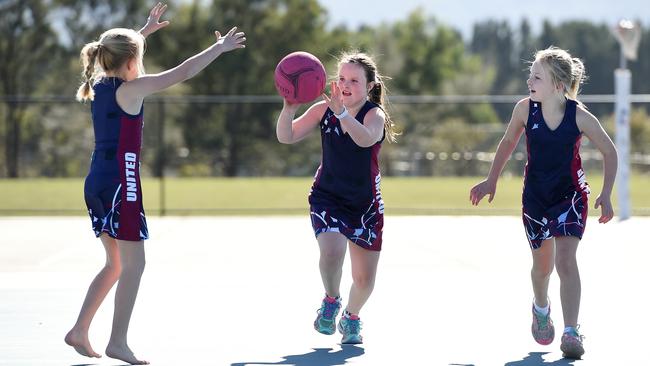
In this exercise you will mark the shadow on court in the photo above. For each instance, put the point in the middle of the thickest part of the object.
(320, 357)
(43, 283)
(536, 359)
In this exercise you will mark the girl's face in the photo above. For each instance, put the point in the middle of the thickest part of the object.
(353, 84)
(540, 83)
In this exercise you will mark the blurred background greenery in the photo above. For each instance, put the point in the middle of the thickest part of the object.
(221, 124)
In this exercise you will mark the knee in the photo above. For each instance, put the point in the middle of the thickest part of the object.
(566, 266)
(332, 255)
(363, 281)
(113, 269)
(542, 270)
(133, 265)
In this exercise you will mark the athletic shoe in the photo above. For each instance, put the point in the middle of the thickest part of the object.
(542, 328)
(326, 320)
(572, 344)
(350, 328)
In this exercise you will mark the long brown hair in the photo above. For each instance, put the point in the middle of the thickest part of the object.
(378, 92)
(113, 49)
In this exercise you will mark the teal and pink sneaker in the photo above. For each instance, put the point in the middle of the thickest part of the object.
(350, 327)
(572, 344)
(325, 322)
(542, 328)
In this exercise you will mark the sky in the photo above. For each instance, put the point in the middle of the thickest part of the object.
(462, 14)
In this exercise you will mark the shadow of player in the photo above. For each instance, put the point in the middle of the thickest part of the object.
(319, 357)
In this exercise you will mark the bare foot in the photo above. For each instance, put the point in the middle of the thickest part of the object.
(125, 354)
(79, 341)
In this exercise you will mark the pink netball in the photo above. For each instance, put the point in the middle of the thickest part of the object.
(300, 77)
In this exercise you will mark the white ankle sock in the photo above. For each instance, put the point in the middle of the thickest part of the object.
(542, 311)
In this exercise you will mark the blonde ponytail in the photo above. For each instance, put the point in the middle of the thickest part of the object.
(577, 77)
(88, 57)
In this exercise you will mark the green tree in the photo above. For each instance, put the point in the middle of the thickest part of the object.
(425, 57)
(27, 49)
(494, 41)
(238, 138)
(39, 56)
(525, 49)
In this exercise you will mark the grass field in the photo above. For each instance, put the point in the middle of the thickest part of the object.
(284, 196)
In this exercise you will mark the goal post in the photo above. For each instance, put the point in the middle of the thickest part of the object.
(628, 35)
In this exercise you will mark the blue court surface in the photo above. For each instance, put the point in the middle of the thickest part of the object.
(245, 290)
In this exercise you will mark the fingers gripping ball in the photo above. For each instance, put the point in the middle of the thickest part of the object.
(300, 77)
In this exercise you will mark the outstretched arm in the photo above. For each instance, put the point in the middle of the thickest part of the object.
(131, 94)
(153, 21)
(504, 150)
(590, 126)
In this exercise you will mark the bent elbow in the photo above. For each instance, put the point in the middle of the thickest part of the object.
(507, 145)
(609, 151)
(508, 142)
(611, 154)
(284, 140)
(368, 141)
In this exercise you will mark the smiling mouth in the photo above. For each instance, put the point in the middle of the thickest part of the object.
(346, 93)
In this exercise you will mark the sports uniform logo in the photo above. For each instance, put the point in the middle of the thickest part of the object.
(331, 124)
(582, 181)
(130, 159)
(378, 193)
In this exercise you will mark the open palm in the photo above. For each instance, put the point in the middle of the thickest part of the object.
(231, 40)
(153, 21)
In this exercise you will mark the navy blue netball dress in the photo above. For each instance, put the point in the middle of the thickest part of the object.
(112, 189)
(345, 196)
(555, 187)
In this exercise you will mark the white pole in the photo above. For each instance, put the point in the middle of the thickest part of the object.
(623, 84)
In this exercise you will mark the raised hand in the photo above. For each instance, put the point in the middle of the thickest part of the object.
(336, 101)
(153, 21)
(231, 40)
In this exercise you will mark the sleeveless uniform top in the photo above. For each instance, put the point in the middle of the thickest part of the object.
(555, 188)
(114, 129)
(554, 167)
(348, 174)
(112, 189)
